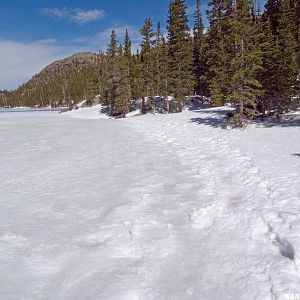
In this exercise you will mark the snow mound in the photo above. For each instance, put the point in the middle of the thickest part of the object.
(94, 112)
(134, 113)
(81, 103)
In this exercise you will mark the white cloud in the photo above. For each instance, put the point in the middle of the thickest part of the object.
(84, 16)
(55, 12)
(20, 61)
(77, 15)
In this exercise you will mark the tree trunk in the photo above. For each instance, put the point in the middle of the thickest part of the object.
(143, 105)
(240, 114)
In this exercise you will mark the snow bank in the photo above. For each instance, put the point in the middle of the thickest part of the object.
(93, 112)
(134, 113)
(81, 103)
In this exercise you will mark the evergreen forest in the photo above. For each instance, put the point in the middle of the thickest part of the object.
(247, 57)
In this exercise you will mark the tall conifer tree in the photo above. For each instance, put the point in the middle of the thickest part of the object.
(147, 58)
(297, 34)
(247, 61)
(220, 50)
(268, 74)
(273, 14)
(287, 61)
(122, 83)
(198, 53)
(128, 63)
(111, 53)
(179, 53)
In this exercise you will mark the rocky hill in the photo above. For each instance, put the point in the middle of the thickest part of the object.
(60, 83)
(77, 61)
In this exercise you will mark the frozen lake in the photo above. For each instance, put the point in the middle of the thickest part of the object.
(31, 110)
(154, 207)
(68, 200)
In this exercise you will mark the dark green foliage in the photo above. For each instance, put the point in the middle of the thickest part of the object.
(159, 61)
(180, 68)
(118, 87)
(220, 46)
(297, 33)
(199, 61)
(147, 58)
(272, 13)
(279, 62)
(122, 84)
(287, 70)
(267, 75)
(112, 51)
(246, 62)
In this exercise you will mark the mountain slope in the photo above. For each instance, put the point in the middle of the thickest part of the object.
(61, 82)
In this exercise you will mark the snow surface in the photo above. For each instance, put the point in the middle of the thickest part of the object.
(87, 113)
(151, 207)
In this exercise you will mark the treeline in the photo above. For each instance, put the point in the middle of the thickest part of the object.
(246, 57)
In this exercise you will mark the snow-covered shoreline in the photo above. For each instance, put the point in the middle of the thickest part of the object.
(152, 207)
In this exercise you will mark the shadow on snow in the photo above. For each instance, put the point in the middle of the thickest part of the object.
(291, 120)
(217, 118)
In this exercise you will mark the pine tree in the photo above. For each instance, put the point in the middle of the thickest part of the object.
(112, 71)
(219, 51)
(103, 78)
(247, 61)
(272, 13)
(128, 63)
(279, 63)
(147, 58)
(296, 14)
(198, 53)
(297, 18)
(179, 53)
(164, 67)
(267, 75)
(137, 76)
(127, 45)
(287, 62)
(158, 59)
(122, 83)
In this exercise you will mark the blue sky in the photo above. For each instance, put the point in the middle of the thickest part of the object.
(33, 33)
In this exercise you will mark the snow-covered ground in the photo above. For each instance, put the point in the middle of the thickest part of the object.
(87, 112)
(148, 207)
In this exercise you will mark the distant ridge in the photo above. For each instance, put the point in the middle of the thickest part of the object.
(77, 61)
(60, 83)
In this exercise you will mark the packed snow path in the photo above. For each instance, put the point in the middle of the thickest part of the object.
(154, 207)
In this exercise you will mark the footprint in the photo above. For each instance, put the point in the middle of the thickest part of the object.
(201, 218)
(285, 247)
